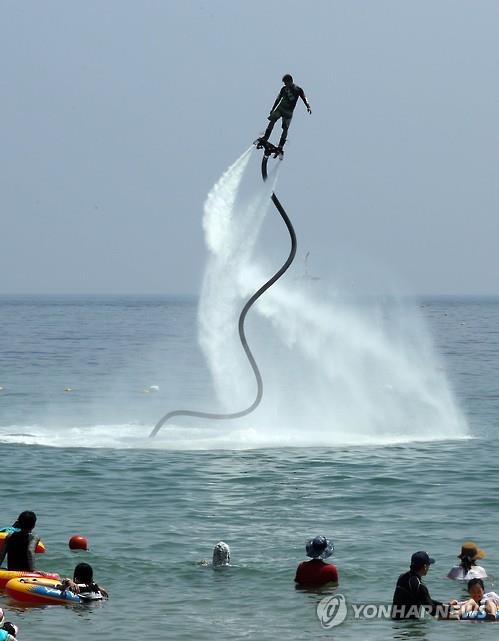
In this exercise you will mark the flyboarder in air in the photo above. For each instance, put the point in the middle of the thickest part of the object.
(283, 107)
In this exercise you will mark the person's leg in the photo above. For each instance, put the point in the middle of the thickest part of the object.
(284, 135)
(273, 118)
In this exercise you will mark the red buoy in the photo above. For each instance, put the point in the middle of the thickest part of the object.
(78, 542)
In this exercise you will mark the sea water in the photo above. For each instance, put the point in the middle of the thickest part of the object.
(377, 428)
(81, 460)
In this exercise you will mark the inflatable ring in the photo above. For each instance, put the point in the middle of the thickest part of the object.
(477, 615)
(39, 590)
(44, 591)
(7, 575)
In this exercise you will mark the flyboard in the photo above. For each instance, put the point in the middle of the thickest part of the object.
(269, 150)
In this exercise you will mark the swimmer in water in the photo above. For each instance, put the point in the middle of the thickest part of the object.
(480, 601)
(83, 584)
(221, 556)
(468, 569)
(316, 573)
(20, 544)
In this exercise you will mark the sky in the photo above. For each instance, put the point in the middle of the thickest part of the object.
(119, 116)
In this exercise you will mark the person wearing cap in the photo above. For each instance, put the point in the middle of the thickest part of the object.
(411, 594)
(468, 569)
(221, 555)
(316, 573)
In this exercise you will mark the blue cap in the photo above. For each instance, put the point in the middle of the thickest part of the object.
(319, 548)
(418, 559)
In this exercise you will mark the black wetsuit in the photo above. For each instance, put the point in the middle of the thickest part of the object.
(20, 550)
(410, 595)
(283, 108)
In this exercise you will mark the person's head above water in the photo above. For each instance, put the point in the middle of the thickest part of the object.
(26, 520)
(221, 555)
(11, 629)
(319, 548)
(83, 573)
(420, 562)
(287, 79)
(476, 589)
(470, 552)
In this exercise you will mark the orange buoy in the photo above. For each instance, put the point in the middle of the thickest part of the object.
(78, 542)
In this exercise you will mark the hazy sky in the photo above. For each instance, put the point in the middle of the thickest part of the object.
(117, 116)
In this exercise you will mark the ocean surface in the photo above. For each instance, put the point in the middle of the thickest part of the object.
(152, 509)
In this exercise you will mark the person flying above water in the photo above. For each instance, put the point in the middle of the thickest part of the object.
(283, 107)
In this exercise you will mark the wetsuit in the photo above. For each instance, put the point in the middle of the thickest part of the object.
(315, 573)
(20, 548)
(283, 108)
(410, 595)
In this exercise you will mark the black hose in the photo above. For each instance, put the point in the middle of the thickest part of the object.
(242, 336)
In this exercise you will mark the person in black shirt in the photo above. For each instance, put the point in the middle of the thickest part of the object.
(411, 594)
(20, 545)
(283, 107)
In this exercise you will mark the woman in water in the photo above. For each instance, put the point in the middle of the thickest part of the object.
(468, 569)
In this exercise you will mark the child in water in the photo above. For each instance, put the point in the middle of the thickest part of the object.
(480, 600)
(83, 584)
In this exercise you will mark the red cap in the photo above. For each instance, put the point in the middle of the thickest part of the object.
(78, 542)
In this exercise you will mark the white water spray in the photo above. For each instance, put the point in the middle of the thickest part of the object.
(334, 370)
(234, 212)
